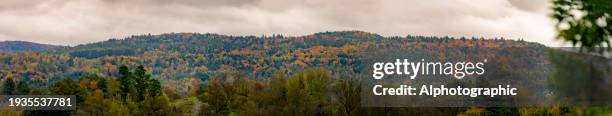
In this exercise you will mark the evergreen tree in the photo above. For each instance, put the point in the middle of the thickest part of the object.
(64, 87)
(142, 82)
(126, 83)
(9, 87)
(22, 88)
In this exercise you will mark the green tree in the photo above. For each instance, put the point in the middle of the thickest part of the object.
(306, 92)
(276, 95)
(155, 106)
(348, 97)
(138, 84)
(142, 82)
(93, 106)
(155, 87)
(63, 87)
(22, 88)
(118, 108)
(127, 83)
(584, 22)
(68, 87)
(216, 98)
(9, 87)
(113, 87)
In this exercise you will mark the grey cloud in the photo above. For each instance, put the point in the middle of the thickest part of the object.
(28, 5)
(530, 5)
(18, 4)
(81, 21)
(189, 3)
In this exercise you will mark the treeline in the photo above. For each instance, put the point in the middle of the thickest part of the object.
(19, 46)
(133, 93)
(186, 60)
(315, 92)
(183, 68)
(311, 92)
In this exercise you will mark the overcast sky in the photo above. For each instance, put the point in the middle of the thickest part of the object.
(73, 22)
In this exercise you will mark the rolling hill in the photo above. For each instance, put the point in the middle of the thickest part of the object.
(184, 60)
(19, 46)
(240, 73)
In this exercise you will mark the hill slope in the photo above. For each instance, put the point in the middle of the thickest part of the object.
(185, 60)
(18, 46)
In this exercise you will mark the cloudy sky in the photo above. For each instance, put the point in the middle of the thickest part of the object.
(73, 22)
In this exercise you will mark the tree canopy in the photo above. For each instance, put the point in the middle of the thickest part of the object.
(584, 23)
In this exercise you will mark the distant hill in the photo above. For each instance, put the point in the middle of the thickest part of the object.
(18, 46)
(183, 60)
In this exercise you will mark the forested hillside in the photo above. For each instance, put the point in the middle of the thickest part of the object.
(184, 60)
(19, 46)
(245, 71)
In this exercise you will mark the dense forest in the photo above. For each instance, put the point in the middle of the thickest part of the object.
(213, 74)
(19, 46)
